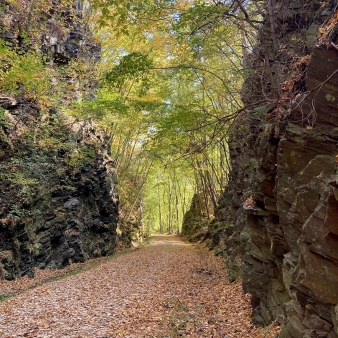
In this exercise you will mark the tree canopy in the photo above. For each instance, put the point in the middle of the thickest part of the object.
(169, 89)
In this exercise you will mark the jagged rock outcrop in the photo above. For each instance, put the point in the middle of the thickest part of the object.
(195, 219)
(58, 190)
(282, 196)
(130, 231)
(54, 211)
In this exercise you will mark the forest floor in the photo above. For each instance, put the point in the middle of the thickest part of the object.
(166, 289)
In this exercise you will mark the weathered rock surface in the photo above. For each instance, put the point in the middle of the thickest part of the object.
(58, 191)
(196, 217)
(60, 213)
(282, 198)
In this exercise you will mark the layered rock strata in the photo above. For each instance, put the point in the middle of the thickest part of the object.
(280, 209)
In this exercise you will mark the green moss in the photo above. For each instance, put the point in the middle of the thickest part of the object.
(3, 118)
(330, 97)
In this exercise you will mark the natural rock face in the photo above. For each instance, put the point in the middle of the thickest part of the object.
(283, 193)
(58, 191)
(195, 216)
(52, 212)
(307, 203)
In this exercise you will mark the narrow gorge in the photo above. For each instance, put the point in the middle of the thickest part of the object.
(214, 120)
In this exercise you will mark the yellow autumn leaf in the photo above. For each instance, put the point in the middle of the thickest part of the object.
(309, 127)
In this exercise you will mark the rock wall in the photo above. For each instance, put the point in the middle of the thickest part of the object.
(195, 219)
(282, 198)
(58, 191)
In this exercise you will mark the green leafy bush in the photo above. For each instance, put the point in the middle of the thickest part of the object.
(24, 73)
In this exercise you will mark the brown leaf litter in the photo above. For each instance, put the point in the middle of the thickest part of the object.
(167, 289)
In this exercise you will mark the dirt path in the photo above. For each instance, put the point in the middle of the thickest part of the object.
(168, 289)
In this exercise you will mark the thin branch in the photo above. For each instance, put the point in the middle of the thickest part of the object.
(202, 70)
(230, 116)
(247, 18)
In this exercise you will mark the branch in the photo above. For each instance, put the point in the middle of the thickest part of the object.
(272, 26)
(247, 18)
(229, 117)
(202, 70)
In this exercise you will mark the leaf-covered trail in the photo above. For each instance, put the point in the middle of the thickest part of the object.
(167, 289)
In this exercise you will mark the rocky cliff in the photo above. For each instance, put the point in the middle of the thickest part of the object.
(277, 221)
(58, 191)
(195, 219)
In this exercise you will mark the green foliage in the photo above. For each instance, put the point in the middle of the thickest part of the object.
(81, 156)
(202, 16)
(171, 75)
(123, 13)
(251, 165)
(15, 211)
(3, 119)
(166, 197)
(24, 74)
(2, 7)
(26, 173)
(106, 108)
(260, 111)
(133, 66)
(3, 124)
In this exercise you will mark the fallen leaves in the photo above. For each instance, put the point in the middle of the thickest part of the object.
(325, 32)
(249, 203)
(10, 288)
(168, 289)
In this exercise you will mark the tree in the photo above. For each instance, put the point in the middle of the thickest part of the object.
(171, 75)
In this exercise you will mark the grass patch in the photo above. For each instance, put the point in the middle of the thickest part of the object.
(6, 296)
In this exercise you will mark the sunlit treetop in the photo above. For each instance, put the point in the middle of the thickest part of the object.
(174, 66)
